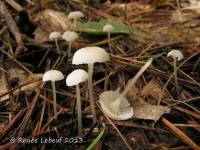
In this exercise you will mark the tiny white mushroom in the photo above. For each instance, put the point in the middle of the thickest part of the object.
(90, 55)
(69, 36)
(75, 15)
(177, 55)
(75, 78)
(53, 76)
(54, 36)
(108, 28)
(114, 104)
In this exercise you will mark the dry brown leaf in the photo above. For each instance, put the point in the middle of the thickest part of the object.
(50, 20)
(22, 77)
(133, 92)
(33, 86)
(154, 90)
(3, 86)
(46, 2)
(144, 110)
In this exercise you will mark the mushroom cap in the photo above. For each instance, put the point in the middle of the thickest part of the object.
(54, 35)
(53, 75)
(76, 77)
(69, 36)
(75, 15)
(176, 54)
(106, 100)
(108, 28)
(90, 55)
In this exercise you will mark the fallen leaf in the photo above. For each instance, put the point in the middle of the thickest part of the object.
(50, 20)
(154, 90)
(144, 110)
(96, 27)
(21, 77)
(3, 86)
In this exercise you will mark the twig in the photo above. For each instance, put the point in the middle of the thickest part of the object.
(15, 5)
(12, 27)
(181, 134)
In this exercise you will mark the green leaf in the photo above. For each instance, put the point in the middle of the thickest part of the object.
(96, 27)
(96, 140)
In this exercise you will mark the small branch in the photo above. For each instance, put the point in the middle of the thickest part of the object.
(15, 5)
(181, 134)
(12, 27)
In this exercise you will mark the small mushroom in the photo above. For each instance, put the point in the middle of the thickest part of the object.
(69, 37)
(114, 104)
(177, 55)
(54, 36)
(90, 55)
(75, 15)
(108, 28)
(75, 78)
(53, 76)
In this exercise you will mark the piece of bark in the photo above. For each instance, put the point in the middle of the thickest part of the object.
(12, 27)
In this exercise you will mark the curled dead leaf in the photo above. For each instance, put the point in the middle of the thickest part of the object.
(50, 20)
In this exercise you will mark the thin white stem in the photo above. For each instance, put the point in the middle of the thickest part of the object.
(175, 77)
(74, 22)
(91, 98)
(109, 42)
(135, 78)
(54, 98)
(57, 46)
(78, 104)
(69, 49)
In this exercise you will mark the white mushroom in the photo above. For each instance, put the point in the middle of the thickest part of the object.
(177, 55)
(90, 55)
(54, 36)
(108, 28)
(53, 76)
(69, 36)
(114, 104)
(75, 15)
(75, 78)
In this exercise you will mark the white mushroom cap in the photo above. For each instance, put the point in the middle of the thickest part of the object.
(176, 54)
(76, 77)
(69, 36)
(106, 100)
(53, 75)
(75, 15)
(108, 28)
(54, 35)
(90, 55)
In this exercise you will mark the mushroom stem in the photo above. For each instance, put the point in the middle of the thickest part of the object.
(57, 47)
(74, 22)
(91, 98)
(78, 104)
(69, 49)
(135, 78)
(109, 42)
(175, 77)
(54, 98)
(68, 52)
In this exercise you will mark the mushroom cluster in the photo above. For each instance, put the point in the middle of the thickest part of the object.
(114, 104)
